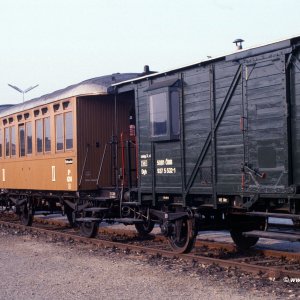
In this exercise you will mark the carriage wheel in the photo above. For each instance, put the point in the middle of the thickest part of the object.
(242, 223)
(144, 228)
(26, 214)
(89, 229)
(241, 241)
(183, 237)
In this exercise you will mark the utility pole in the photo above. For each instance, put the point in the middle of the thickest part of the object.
(22, 91)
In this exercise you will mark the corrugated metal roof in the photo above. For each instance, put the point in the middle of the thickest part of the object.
(93, 86)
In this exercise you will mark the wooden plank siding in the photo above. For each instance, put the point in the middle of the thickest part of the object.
(295, 116)
(253, 129)
(95, 121)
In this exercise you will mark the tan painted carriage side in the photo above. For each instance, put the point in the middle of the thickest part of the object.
(74, 169)
(51, 170)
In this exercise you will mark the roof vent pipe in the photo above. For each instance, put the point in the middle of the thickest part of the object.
(146, 69)
(238, 43)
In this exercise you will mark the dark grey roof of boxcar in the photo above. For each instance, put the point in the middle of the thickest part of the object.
(239, 54)
(93, 86)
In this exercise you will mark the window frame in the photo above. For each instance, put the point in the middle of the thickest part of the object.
(7, 145)
(27, 125)
(170, 135)
(40, 121)
(47, 121)
(70, 112)
(60, 114)
(21, 152)
(13, 141)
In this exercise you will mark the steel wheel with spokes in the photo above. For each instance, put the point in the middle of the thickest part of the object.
(144, 228)
(183, 237)
(89, 229)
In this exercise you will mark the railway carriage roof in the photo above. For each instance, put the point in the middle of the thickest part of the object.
(93, 86)
(238, 54)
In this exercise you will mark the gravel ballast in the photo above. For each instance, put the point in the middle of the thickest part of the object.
(37, 268)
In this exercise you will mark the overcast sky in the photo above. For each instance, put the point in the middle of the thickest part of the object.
(56, 43)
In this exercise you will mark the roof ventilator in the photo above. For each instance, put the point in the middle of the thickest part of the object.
(239, 44)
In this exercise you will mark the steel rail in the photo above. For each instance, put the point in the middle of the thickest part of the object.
(274, 272)
(199, 242)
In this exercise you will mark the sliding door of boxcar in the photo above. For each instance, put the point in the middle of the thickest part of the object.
(265, 125)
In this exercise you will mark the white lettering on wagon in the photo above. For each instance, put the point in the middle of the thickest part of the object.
(144, 163)
(144, 172)
(165, 166)
(69, 179)
(164, 162)
(166, 170)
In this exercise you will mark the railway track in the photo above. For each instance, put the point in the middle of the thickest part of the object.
(199, 245)
(267, 263)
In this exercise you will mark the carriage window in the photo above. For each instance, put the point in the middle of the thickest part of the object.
(47, 136)
(1, 142)
(56, 107)
(59, 132)
(44, 110)
(28, 138)
(69, 130)
(39, 135)
(164, 115)
(7, 142)
(21, 140)
(13, 141)
(158, 114)
(66, 105)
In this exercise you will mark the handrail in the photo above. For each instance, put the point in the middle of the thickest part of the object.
(123, 159)
(85, 159)
(101, 165)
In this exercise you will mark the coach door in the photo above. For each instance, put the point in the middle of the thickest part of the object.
(265, 126)
(164, 102)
